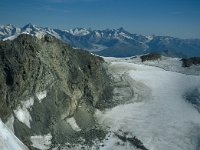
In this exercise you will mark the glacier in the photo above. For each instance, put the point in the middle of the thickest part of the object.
(163, 120)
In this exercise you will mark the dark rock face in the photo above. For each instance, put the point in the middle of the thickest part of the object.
(74, 81)
(125, 137)
(151, 56)
(191, 61)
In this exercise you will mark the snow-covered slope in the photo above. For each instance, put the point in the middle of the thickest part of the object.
(8, 30)
(162, 119)
(166, 63)
(79, 31)
(8, 141)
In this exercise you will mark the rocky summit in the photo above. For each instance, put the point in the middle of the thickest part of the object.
(49, 91)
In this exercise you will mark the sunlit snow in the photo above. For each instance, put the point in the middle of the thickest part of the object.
(162, 121)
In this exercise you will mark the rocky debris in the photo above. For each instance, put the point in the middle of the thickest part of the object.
(151, 56)
(190, 61)
(125, 137)
(123, 90)
(63, 82)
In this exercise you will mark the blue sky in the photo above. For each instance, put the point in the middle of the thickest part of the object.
(178, 18)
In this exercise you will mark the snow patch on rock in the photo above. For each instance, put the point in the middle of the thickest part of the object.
(41, 95)
(73, 124)
(41, 142)
(22, 112)
(10, 37)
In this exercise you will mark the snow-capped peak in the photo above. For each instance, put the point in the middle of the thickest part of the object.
(8, 30)
(79, 31)
(7, 26)
(29, 27)
(149, 37)
(125, 35)
(121, 29)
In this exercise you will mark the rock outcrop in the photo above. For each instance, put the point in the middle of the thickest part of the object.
(151, 56)
(190, 61)
(50, 90)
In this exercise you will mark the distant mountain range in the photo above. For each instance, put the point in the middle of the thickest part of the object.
(110, 42)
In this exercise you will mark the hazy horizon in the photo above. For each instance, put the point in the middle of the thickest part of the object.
(176, 18)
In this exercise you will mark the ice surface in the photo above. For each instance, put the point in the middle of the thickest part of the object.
(162, 121)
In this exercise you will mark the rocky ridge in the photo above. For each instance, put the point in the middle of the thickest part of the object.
(49, 91)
